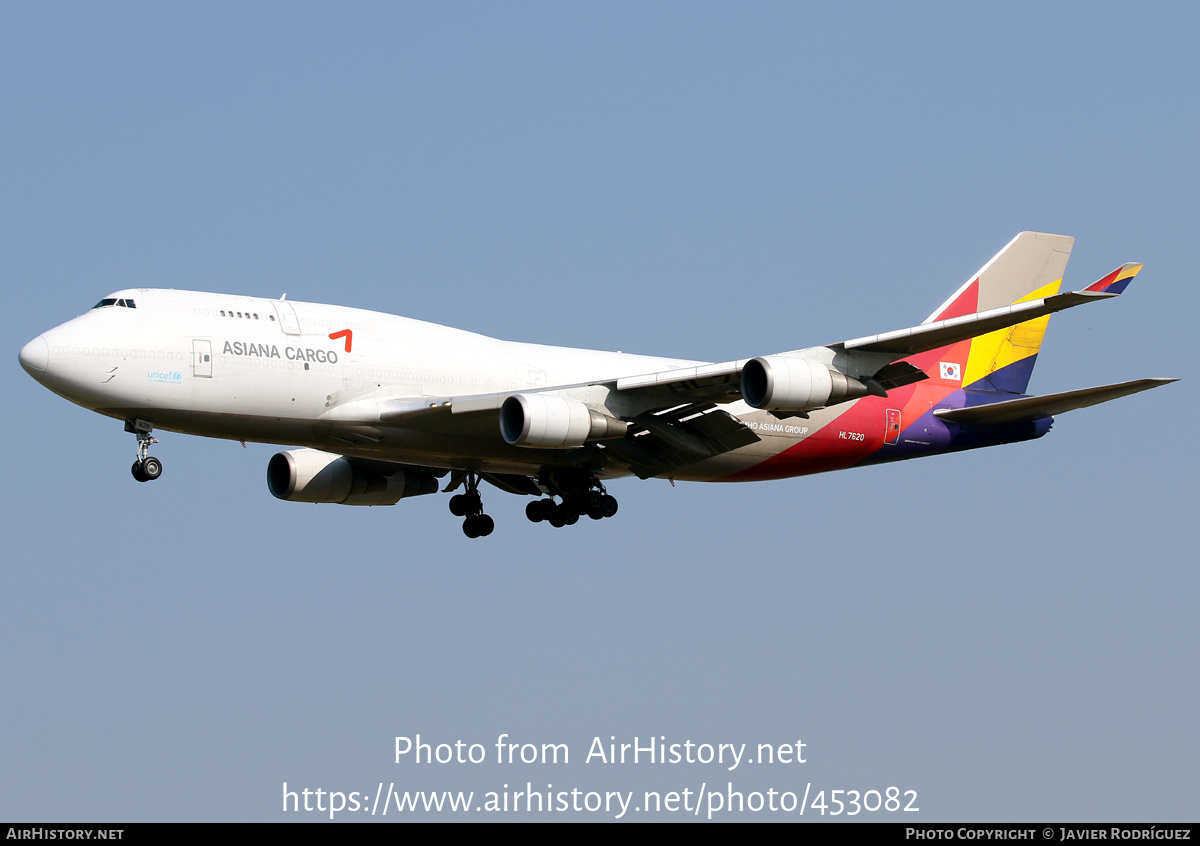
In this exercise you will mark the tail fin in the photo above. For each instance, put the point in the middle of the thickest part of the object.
(1030, 267)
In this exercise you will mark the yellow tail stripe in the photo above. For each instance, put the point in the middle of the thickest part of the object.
(1003, 347)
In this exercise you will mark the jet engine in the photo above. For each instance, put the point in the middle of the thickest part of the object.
(786, 383)
(554, 422)
(309, 475)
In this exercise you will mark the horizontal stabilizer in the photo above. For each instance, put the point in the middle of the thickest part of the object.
(1032, 408)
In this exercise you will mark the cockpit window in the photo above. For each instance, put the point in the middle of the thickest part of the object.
(110, 301)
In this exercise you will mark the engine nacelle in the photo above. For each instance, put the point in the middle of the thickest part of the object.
(554, 422)
(309, 475)
(786, 383)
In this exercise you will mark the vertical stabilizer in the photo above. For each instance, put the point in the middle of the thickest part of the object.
(1030, 267)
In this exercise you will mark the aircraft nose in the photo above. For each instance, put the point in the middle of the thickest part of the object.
(35, 356)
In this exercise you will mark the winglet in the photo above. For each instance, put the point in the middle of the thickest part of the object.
(1115, 282)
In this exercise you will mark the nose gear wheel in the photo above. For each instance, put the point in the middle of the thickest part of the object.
(147, 468)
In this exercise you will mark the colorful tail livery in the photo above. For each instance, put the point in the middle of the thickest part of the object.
(951, 384)
(382, 407)
(1031, 267)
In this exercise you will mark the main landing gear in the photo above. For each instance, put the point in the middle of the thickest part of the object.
(580, 492)
(147, 468)
(595, 503)
(470, 505)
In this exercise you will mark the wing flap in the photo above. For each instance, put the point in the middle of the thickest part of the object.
(676, 437)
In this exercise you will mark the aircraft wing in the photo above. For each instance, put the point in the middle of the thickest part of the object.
(658, 439)
(664, 439)
(672, 415)
(877, 357)
(703, 383)
(930, 336)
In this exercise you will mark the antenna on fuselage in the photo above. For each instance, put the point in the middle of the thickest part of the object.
(284, 297)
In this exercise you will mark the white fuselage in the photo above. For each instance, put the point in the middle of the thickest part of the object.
(267, 370)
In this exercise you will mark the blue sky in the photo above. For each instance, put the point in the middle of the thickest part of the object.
(1009, 632)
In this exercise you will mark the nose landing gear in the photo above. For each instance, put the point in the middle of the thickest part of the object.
(147, 468)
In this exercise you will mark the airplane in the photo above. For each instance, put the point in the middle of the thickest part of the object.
(381, 407)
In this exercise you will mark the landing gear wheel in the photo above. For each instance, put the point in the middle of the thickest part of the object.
(469, 504)
(478, 526)
(536, 511)
(147, 468)
(579, 493)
